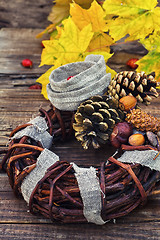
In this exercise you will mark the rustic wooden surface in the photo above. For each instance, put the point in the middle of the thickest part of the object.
(18, 105)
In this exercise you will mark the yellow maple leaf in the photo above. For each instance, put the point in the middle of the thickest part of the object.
(70, 47)
(94, 15)
(110, 70)
(44, 80)
(137, 18)
(61, 9)
(100, 42)
(151, 61)
(58, 13)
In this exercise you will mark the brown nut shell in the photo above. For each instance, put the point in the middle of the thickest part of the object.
(128, 102)
(136, 139)
(120, 134)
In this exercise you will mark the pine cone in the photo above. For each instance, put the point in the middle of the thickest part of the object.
(143, 121)
(135, 84)
(95, 119)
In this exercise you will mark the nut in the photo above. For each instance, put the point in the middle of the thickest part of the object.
(136, 139)
(128, 102)
(152, 138)
(120, 134)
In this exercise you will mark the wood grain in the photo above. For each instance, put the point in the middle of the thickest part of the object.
(17, 44)
(28, 14)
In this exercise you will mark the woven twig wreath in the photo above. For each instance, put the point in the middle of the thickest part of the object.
(116, 188)
(63, 191)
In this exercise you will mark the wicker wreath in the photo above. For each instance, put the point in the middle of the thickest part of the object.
(58, 195)
(63, 191)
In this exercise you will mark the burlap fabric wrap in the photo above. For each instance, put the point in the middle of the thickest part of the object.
(44, 161)
(37, 131)
(90, 191)
(89, 78)
(145, 158)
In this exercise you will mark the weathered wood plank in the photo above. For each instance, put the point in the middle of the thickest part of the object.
(16, 80)
(19, 44)
(79, 232)
(25, 13)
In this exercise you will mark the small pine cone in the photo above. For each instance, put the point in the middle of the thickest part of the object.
(95, 119)
(135, 84)
(143, 121)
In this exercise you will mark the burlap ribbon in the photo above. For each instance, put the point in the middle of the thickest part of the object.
(89, 78)
(37, 131)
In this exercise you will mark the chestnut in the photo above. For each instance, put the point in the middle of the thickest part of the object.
(120, 134)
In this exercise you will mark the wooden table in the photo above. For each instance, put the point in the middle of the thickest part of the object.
(18, 104)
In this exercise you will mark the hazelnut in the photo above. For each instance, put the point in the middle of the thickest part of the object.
(128, 102)
(120, 134)
(136, 139)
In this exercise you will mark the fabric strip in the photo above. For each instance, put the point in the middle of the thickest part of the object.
(37, 131)
(44, 161)
(145, 158)
(90, 192)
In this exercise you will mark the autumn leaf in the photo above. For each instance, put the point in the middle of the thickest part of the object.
(58, 13)
(70, 47)
(100, 42)
(61, 9)
(137, 18)
(151, 62)
(44, 80)
(94, 15)
(110, 70)
(48, 29)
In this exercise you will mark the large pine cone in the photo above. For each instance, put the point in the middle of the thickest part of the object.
(95, 119)
(143, 121)
(135, 84)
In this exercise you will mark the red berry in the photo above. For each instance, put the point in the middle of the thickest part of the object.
(27, 63)
(35, 86)
(132, 63)
(69, 77)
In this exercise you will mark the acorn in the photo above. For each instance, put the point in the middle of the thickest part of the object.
(127, 103)
(136, 139)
